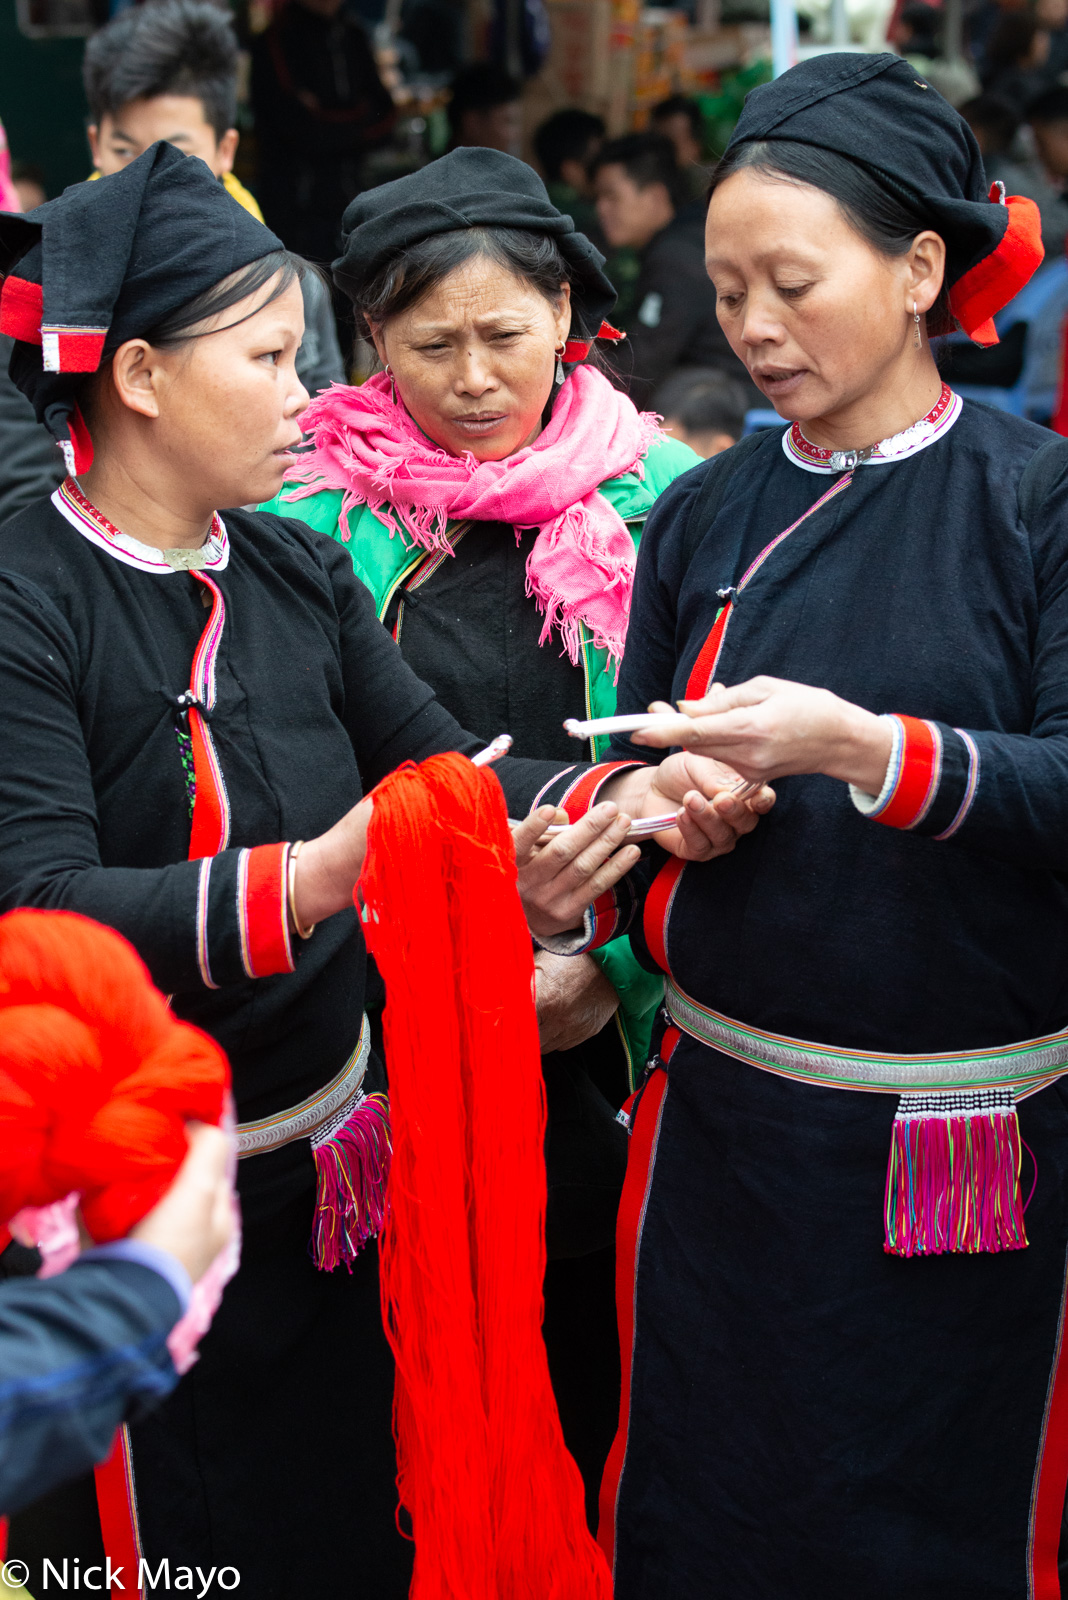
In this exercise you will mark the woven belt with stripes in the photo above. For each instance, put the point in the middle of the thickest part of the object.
(1025, 1067)
(314, 1117)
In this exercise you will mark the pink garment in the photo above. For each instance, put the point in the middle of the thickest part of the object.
(581, 569)
(53, 1230)
(9, 195)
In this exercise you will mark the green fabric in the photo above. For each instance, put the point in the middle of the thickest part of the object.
(383, 561)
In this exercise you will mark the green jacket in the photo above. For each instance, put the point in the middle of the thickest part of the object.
(384, 562)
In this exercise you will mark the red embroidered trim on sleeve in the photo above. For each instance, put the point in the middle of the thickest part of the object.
(918, 775)
(583, 794)
(263, 911)
(605, 912)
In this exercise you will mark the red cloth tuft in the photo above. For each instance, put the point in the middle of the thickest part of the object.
(97, 1078)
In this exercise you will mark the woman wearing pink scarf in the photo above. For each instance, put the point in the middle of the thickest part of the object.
(491, 491)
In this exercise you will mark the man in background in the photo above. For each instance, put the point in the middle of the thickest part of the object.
(679, 119)
(320, 108)
(485, 109)
(565, 144)
(641, 204)
(168, 70)
(704, 408)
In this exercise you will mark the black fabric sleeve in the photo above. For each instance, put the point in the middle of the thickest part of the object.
(80, 1353)
(185, 919)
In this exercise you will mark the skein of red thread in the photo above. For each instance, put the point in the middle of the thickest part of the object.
(496, 1501)
(97, 1078)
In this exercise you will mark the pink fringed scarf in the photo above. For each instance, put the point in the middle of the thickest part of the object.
(581, 568)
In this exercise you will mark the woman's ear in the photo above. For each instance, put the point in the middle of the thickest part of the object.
(925, 270)
(563, 314)
(379, 343)
(135, 376)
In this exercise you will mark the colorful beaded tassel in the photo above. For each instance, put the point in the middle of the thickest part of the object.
(352, 1167)
(953, 1181)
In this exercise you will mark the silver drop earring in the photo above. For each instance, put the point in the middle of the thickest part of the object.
(392, 385)
(917, 337)
(559, 364)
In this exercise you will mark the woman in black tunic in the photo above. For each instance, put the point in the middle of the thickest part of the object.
(845, 1227)
(185, 695)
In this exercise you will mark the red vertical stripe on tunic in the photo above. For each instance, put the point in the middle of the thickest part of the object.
(658, 909)
(644, 1136)
(1051, 1477)
(117, 1503)
(704, 668)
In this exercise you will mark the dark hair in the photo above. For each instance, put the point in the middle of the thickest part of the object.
(480, 87)
(1010, 41)
(680, 105)
(1050, 106)
(646, 158)
(886, 221)
(533, 257)
(995, 117)
(703, 400)
(179, 327)
(566, 136)
(183, 47)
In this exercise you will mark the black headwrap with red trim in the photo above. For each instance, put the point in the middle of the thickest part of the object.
(879, 112)
(106, 262)
(473, 188)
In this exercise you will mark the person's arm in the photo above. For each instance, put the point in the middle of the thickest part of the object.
(194, 923)
(1004, 793)
(86, 1350)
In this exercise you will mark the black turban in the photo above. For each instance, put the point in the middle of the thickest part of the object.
(469, 188)
(106, 262)
(879, 112)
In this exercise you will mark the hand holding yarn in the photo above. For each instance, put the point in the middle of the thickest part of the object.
(195, 1219)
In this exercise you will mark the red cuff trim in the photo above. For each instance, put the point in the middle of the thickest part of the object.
(263, 910)
(993, 282)
(71, 349)
(918, 775)
(21, 303)
(583, 794)
(605, 914)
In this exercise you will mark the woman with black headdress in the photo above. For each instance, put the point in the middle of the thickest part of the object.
(490, 486)
(845, 1225)
(185, 696)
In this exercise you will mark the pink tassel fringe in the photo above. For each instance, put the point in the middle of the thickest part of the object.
(352, 1166)
(953, 1179)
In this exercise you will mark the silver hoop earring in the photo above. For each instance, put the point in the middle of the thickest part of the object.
(559, 363)
(392, 385)
(917, 337)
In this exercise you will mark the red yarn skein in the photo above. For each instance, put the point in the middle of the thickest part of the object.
(495, 1499)
(97, 1078)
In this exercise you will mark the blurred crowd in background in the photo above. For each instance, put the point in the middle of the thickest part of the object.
(300, 107)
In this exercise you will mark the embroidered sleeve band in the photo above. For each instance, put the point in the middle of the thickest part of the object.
(931, 779)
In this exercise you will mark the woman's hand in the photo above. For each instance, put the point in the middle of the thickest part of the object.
(326, 870)
(559, 878)
(768, 728)
(710, 818)
(195, 1218)
(574, 1000)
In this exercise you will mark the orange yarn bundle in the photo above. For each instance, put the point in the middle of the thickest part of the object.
(495, 1499)
(97, 1078)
